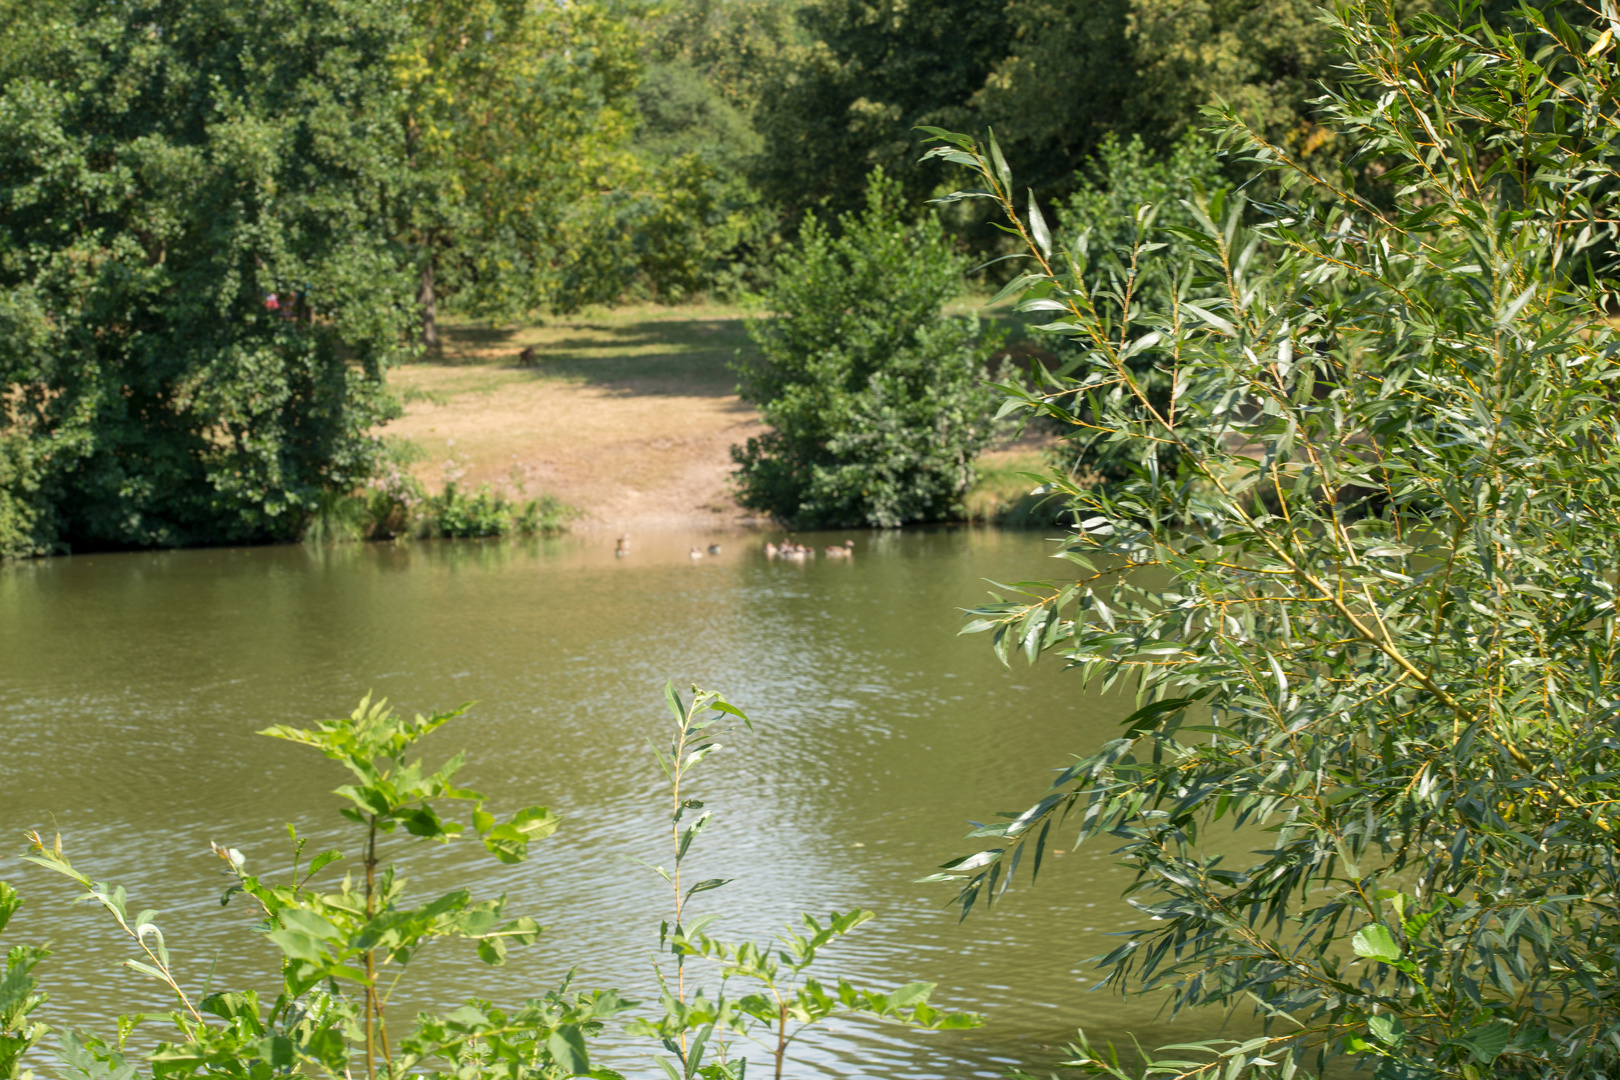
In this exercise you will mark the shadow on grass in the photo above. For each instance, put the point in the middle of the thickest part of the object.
(657, 355)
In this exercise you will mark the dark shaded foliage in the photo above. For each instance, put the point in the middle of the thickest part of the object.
(164, 169)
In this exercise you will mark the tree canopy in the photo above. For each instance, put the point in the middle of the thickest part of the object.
(221, 222)
(1053, 78)
(512, 114)
(846, 99)
(199, 287)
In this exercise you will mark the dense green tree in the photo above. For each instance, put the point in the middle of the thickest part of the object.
(877, 401)
(1080, 70)
(514, 114)
(734, 45)
(685, 220)
(1053, 78)
(680, 110)
(165, 168)
(682, 216)
(846, 100)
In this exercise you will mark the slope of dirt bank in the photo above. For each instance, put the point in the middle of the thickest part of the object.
(628, 415)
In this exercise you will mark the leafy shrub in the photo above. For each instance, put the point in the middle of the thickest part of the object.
(1371, 624)
(346, 943)
(457, 514)
(393, 505)
(546, 514)
(876, 401)
(393, 497)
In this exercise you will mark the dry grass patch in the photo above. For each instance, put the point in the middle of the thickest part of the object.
(627, 414)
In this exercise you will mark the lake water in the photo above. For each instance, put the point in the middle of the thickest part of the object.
(131, 687)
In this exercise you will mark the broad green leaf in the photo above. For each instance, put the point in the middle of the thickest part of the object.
(566, 1045)
(1386, 1029)
(1375, 942)
(1486, 1042)
(308, 922)
(909, 994)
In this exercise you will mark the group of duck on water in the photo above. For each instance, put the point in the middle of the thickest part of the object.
(790, 550)
(800, 552)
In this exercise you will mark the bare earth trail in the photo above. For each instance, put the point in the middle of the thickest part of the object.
(628, 415)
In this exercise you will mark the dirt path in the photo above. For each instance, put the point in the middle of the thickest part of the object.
(627, 415)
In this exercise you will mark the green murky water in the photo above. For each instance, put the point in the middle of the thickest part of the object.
(131, 687)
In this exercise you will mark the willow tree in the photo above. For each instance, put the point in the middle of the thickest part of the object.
(1369, 615)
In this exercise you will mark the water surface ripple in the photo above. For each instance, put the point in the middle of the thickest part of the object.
(131, 687)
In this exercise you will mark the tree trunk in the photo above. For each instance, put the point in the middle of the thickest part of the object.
(427, 300)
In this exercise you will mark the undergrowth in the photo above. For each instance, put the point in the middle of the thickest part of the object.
(395, 505)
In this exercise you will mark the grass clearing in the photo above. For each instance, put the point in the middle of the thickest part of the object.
(628, 414)
(682, 348)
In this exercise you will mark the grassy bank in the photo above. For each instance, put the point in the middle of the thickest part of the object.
(627, 414)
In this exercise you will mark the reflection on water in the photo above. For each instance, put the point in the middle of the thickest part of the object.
(131, 687)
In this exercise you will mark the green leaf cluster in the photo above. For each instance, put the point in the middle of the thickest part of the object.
(363, 933)
(1367, 606)
(790, 1000)
(394, 790)
(1123, 217)
(346, 945)
(18, 998)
